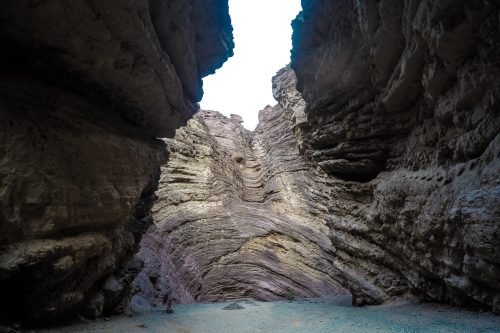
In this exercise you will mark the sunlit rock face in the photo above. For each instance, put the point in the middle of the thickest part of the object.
(240, 215)
(402, 101)
(86, 88)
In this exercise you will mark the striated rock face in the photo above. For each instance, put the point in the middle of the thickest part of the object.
(398, 110)
(402, 111)
(397, 83)
(380, 175)
(240, 214)
(86, 88)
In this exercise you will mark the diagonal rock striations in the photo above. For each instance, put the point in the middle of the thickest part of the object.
(390, 147)
(239, 215)
(377, 172)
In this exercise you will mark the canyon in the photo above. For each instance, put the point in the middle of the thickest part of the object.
(377, 174)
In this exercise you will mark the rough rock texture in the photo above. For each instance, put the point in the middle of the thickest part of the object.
(86, 87)
(239, 215)
(402, 103)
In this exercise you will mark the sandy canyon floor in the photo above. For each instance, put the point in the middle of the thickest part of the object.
(310, 315)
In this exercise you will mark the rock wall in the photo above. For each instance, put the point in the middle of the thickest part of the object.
(238, 216)
(402, 111)
(386, 140)
(381, 176)
(86, 88)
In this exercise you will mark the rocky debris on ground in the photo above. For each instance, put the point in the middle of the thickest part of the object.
(233, 306)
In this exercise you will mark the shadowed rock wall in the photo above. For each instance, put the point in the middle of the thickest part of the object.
(86, 87)
(402, 111)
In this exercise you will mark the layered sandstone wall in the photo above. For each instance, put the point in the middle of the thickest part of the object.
(86, 88)
(397, 114)
(238, 216)
(381, 176)
(402, 111)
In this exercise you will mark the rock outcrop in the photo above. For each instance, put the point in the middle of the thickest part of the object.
(239, 215)
(402, 111)
(377, 173)
(398, 109)
(86, 88)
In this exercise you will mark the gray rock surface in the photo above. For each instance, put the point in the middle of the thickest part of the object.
(402, 101)
(86, 88)
(233, 202)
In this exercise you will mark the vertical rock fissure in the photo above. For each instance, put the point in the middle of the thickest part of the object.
(251, 173)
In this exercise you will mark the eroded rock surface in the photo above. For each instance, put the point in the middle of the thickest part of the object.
(402, 103)
(239, 215)
(397, 83)
(86, 88)
(391, 149)
(381, 176)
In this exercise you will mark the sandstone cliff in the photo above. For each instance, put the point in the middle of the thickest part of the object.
(86, 88)
(238, 216)
(402, 111)
(391, 149)
(379, 175)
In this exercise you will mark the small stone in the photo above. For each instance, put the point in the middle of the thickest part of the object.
(233, 306)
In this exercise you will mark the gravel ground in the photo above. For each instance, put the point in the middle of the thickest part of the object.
(312, 315)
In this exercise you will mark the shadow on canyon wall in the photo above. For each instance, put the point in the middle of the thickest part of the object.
(376, 173)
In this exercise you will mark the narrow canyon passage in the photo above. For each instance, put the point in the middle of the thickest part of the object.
(373, 185)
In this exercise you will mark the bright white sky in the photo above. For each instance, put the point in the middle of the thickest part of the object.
(262, 35)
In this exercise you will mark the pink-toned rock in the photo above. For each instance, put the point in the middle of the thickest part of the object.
(239, 215)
